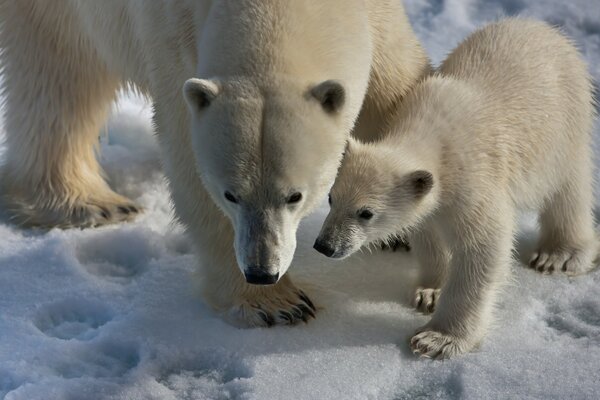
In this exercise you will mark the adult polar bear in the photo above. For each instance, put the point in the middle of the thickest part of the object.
(283, 83)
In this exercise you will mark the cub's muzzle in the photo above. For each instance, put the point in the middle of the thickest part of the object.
(324, 248)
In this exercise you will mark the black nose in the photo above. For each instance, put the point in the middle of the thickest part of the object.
(259, 276)
(323, 248)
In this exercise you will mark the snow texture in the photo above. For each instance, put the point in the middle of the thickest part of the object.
(111, 313)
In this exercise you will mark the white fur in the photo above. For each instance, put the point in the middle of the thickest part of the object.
(504, 124)
(264, 135)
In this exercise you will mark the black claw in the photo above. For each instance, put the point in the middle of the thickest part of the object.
(105, 212)
(124, 210)
(540, 268)
(266, 317)
(400, 243)
(430, 307)
(420, 302)
(306, 310)
(305, 299)
(533, 262)
(286, 315)
(133, 209)
(297, 312)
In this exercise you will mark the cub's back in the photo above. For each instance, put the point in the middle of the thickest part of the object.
(537, 98)
(517, 55)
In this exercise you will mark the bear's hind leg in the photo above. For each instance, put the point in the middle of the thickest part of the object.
(58, 93)
(568, 242)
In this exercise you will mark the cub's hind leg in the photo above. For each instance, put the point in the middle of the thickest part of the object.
(568, 242)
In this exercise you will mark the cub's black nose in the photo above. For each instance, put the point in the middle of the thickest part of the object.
(323, 248)
(259, 276)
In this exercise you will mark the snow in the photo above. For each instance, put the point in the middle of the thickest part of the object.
(111, 313)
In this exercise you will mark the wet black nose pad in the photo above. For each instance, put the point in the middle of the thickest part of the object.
(259, 276)
(323, 248)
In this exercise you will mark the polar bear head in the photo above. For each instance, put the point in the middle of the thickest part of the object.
(267, 154)
(378, 194)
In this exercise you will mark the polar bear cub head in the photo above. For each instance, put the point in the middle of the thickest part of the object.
(378, 194)
(267, 154)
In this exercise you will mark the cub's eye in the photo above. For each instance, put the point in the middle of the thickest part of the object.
(329, 199)
(366, 214)
(230, 197)
(295, 198)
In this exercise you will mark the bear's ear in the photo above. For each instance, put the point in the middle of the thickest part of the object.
(199, 93)
(420, 182)
(330, 94)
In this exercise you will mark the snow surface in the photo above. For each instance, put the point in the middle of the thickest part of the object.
(111, 313)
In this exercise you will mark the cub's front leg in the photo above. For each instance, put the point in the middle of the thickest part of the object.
(434, 257)
(480, 260)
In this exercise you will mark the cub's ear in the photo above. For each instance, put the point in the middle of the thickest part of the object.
(420, 182)
(331, 94)
(199, 93)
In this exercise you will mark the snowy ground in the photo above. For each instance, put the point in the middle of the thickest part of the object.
(111, 312)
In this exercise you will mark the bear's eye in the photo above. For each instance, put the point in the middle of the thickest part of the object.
(230, 197)
(329, 198)
(294, 198)
(366, 214)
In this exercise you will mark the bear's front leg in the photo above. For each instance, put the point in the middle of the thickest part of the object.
(222, 284)
(224, 288)
(480, 260)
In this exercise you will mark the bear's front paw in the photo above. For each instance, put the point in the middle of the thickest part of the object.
(426, 299)
(396, 243)
(428, 343)
(286, 305)
(568, 260)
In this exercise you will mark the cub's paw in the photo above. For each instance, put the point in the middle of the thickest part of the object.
(426, 299)
(268, 306)
(428, 343)
(568, 260)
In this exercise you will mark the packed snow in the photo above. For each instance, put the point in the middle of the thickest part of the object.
(112, 313)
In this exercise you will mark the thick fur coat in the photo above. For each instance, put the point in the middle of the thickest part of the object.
(277, 88)
(505, 124)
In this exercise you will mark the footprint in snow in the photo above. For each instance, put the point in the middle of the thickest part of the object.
(214, 375)
(118, 256)
(578, 321)
(109, 359)
(72, 319)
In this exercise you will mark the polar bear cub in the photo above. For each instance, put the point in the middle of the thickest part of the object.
(504, 124)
